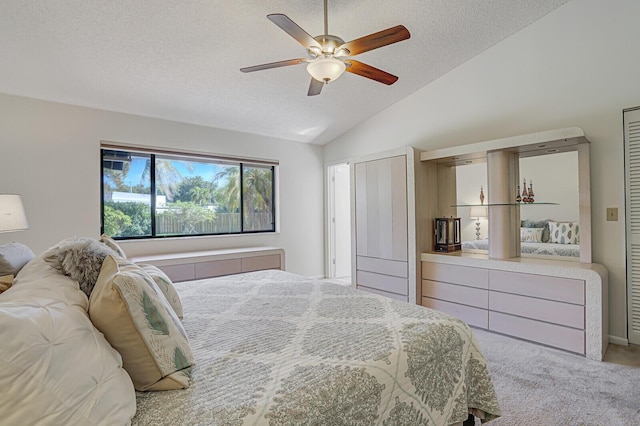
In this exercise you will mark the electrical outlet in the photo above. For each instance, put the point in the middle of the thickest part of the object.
(612, 214)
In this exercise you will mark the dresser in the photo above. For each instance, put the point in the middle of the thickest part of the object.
(555, 303)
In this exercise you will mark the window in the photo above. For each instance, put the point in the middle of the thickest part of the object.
(158, 194)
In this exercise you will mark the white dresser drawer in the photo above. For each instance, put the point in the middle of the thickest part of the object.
(472, 316)
(453, 274)
(569, 339)
(539, 309)
(384, 293)
(381, 282)
(456, 293)
(542, 286)
(396, 268)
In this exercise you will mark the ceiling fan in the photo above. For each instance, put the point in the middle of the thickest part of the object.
(329, 55)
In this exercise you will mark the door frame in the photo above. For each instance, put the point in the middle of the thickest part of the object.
(329, 193)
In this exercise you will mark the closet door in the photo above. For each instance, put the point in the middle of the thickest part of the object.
(632, 177)
(381, 226)
(381, 208)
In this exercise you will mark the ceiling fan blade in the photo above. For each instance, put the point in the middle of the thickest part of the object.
(273, 65)
(315, 87)
(294, 30)
(357, 67)
(376, 40)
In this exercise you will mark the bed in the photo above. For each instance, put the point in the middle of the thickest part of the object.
(266, 348)
(276, 348)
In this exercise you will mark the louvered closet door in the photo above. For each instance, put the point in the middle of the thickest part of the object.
(632, 174)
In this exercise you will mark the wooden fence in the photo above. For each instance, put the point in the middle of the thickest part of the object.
(223, 223)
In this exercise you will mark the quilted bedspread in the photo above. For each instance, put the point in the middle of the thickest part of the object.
(274, 348)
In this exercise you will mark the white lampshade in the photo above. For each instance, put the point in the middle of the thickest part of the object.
(12, 217)
(477, 212)
(326, 69)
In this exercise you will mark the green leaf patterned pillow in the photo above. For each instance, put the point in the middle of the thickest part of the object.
(166, 285)
(129, 308)
(564, 232)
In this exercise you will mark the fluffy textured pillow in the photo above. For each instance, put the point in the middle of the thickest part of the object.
(13, 257)
(538, 223)
(80, 259)
(166, 285)
(109, 242)
(564, 232)
(135, 317)
(531, 235)
(56, 368)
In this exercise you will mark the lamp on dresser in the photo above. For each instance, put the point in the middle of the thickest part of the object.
(12, 216)
(477, 212)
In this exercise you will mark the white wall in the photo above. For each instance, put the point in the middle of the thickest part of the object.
(578, 66)
(49, 153)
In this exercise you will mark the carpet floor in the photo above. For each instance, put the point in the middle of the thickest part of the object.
(541, 386)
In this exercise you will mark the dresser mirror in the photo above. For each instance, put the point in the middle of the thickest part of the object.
(552, 177)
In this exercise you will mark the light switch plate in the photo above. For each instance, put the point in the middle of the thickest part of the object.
(612, 214)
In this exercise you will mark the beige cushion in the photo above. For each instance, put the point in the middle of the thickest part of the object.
(166, 285)
(135, 317)
(110, 242)
(5, 282)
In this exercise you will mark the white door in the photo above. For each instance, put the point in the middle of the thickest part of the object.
(339, 221)
(632, 176)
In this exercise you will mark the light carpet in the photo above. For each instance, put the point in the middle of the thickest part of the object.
(539, 386)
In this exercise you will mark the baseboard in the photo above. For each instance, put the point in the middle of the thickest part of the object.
(317, 277)
(618, 340)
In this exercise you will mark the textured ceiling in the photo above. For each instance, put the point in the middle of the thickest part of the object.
(180, 59)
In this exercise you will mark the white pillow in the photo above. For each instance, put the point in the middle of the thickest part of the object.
(531, 235)
(56, 368)
(13, 257)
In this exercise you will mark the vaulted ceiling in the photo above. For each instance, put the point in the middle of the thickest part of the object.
(180, 59)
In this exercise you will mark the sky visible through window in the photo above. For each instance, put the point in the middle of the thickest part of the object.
(186, 169)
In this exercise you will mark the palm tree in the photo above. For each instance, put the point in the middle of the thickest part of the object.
(167, 175)
(257, 194)
(230, 191)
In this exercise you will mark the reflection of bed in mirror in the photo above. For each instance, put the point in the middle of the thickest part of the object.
(545, 237)
(543, 249)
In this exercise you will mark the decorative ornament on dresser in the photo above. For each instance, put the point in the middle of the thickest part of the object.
(477, 212)
(518, 197)
(481, 195)
(530, 191)
(525, 194)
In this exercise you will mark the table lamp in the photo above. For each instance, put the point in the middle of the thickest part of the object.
(12, 217)
(476, 212)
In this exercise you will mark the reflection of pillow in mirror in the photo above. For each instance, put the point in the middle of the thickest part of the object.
(538, 223)
(564, 232)
(531, 235)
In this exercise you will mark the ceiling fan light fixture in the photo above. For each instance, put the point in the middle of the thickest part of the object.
(326, 69)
